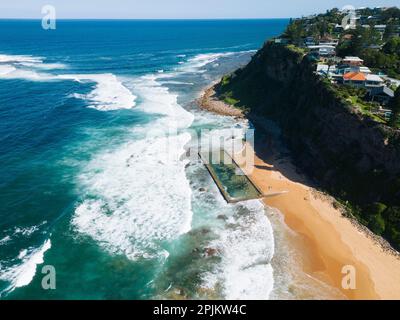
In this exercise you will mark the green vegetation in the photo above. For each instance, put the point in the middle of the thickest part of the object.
(225, 80)
(357, 97)
(374, 217)
(227, 96)
(395, 106)
(294, 48)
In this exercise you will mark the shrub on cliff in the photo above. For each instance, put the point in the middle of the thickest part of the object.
(376, 208)
(377, 224)
(395, 106)
(392, 229)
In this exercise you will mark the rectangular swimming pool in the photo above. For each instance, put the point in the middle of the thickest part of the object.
(232, 182)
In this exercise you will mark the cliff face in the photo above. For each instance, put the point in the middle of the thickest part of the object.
(348, 154)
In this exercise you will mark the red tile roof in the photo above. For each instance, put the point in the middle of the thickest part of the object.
(355, 76)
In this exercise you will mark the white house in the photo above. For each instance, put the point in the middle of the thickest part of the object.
(373, 80)
(380, 27)
(323, 50)
(355, 61)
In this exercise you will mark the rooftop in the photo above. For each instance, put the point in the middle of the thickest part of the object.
(355, 59)
(383, 90)
(374, 77)
(355, 76)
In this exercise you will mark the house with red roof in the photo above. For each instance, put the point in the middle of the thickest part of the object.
(354, 78)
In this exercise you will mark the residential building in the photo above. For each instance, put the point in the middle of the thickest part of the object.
(323, 50)
(373, 80)
(356, 79)
(380, 27)
(353, 61)
(381, 94)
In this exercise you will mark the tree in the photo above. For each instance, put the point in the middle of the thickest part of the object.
(392, 46)
(330, 64)
(394, 104)
(377, 224)
(391, 29)
(375, 209)
(392, 228)
(374, 217)
(295, 31)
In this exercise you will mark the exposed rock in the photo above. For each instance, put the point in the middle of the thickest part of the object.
(222, 217)
(210, 252)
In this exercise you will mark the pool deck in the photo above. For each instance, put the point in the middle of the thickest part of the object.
(225, 194)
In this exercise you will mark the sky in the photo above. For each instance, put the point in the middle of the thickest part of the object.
(177, 9)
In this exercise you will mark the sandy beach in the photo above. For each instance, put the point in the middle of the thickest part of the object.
(329, 240)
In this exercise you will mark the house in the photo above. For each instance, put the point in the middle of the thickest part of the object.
(364, 70)
(373, 80)
(329, 41)
(322, 69)
(338, 28)
(354, 78)
(333, 42)
(346, 68)
(380, 27)
(309, 41)
(281, 40)
(381, 94)
(360, 79)
(323, 50)
(353, 61)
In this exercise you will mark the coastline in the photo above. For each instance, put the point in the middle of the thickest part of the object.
(210, 102)
(328, 240)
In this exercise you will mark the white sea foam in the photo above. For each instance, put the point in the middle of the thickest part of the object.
(29, 62)
(138, 194)
(109, 93)
(4, 58)
(45, 66)
(5, 69)
(14, 72)
(202, 60)
(5, 240)
(246, 247)
(28, 230)
(22, 274)
(142, 197)
(157, 99)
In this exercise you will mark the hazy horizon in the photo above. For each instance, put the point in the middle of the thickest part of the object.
(177, 9)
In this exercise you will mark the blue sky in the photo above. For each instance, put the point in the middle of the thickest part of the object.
(177, 9)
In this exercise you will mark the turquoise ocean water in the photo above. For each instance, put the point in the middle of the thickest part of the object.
(85, 182)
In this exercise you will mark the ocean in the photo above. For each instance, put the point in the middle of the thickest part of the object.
(87, 184)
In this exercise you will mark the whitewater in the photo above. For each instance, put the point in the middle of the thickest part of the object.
(143, 193)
